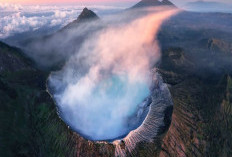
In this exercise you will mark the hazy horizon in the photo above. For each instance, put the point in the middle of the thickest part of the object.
(106, 2)
(19, 18)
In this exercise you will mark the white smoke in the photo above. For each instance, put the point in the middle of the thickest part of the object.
(103, 83)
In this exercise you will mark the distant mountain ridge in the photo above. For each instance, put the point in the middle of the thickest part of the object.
(208, 6)
(153, 3)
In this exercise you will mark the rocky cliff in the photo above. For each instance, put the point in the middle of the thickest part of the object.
(201, 120)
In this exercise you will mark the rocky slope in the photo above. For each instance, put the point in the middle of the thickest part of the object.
(17, 61)
(202, 109)
(28, 119)
(197, 64)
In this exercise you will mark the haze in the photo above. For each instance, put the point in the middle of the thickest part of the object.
(177, 2)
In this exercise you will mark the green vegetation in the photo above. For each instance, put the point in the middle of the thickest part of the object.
(29, 122)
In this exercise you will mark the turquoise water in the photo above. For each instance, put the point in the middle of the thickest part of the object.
(118, 88)
(108, 111)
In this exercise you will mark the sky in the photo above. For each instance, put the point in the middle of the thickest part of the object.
(61, 1)
(18, 16)
(178, 2)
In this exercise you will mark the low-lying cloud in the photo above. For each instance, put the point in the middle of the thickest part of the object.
(16, 19)
(103, 83)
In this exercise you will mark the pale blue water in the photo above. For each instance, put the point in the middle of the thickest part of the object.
(109, 112)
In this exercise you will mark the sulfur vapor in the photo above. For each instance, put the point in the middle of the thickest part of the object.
(100, 90)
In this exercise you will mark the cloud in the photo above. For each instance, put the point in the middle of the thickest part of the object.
(18, 19)
(60, 14)
(104, 82)
(10, 7)
(17, 23)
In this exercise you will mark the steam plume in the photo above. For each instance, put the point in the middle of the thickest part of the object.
(102, 85)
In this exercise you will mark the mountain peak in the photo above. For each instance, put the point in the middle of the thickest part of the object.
(150, 1)
(87, 14)
(153, 3)
(167, 2)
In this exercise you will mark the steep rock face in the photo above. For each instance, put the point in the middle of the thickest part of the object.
(198, 126)
(201, 120)
(198, 73)
(181, 139)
